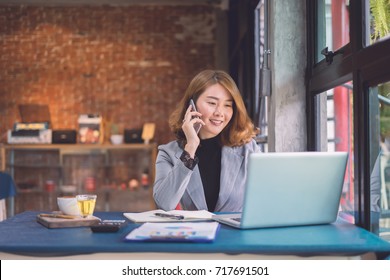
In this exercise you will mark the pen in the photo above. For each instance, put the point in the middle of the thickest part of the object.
(57, 216)
(170, 216)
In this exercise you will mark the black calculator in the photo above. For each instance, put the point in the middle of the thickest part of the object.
(108, 226)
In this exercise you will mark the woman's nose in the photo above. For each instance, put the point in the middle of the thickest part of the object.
(218, 111)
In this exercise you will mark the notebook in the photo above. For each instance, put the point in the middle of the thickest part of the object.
(160, 216)
(290, 189)
(175, 232)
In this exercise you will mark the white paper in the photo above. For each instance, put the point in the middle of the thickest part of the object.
(192, 232)
(189, 216)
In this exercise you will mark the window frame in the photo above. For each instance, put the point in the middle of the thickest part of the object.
(366, 66)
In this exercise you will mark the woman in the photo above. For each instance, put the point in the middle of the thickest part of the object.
(206, 170)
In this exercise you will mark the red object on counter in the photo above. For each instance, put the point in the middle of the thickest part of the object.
(50, 186)
(90, 184)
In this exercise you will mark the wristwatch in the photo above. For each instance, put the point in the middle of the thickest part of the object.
(189, 162)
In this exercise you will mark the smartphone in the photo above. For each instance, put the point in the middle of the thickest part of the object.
(197, 126)
(108, 226)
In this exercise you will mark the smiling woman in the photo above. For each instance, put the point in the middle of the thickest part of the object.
(206, 170)
(216, 105)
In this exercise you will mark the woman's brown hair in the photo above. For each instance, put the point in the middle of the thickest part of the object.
(240, 129)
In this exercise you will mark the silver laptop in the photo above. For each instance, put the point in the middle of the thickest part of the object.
(290, 189)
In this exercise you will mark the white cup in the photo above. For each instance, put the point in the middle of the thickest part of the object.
(116, 139)
(68, 205)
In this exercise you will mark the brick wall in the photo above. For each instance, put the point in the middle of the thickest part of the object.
(129, 64)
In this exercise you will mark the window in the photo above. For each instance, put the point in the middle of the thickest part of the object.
(378, 21)
(263, 73)
(332, 26)
(380, 159)
(355, 71)
(334, 122)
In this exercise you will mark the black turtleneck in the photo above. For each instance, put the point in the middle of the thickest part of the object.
(209, 154)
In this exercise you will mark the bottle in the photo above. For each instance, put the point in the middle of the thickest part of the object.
(145, 179)
(50, 186)
(90, 184)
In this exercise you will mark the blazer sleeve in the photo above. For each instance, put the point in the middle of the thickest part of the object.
(172, 177)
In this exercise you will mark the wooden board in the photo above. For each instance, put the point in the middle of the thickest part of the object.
(50, 222)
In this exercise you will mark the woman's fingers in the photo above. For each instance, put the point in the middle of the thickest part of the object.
(189, 115)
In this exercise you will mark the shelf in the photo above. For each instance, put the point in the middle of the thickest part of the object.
(78, 165)
(32, 190)
(66, 147)
(32, 166)
(86, 166)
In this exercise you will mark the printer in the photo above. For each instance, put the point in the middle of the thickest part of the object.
(34, 127)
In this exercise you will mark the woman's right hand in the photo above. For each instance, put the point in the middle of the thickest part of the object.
(190, 118)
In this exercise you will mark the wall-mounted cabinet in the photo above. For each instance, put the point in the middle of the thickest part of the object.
(121, 175)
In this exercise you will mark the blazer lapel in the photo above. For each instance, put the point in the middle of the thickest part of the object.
(231, 163)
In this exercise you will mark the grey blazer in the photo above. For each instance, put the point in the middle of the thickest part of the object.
(176, 183)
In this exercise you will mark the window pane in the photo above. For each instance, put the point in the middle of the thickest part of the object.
(332, 25)
(262, 79)
(334, 124)
(379, 18)
(380, 159)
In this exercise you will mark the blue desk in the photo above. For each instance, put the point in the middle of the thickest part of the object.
(22, 235)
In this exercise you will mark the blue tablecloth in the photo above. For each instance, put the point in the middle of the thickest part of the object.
(7, 186)
(21, 234)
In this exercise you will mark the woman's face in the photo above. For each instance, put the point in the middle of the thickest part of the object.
(216, 106)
